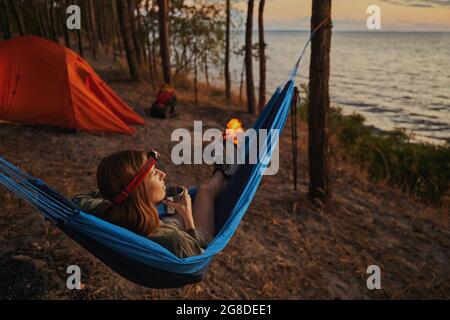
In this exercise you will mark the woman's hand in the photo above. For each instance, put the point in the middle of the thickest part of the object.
(184, 208)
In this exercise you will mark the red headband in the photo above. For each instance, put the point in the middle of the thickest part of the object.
(138, 178)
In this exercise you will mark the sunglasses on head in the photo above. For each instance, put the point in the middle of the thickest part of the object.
(152, 158)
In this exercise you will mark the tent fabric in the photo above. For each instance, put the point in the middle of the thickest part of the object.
(44, 83)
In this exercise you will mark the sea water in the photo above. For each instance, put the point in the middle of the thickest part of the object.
(394, 79)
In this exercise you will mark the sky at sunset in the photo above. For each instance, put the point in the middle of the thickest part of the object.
(398, 15)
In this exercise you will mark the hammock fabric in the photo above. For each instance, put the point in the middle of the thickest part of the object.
(137, 258)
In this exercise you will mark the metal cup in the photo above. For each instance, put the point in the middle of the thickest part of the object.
(174, 194)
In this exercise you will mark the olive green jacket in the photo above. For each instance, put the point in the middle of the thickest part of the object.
(171, 234)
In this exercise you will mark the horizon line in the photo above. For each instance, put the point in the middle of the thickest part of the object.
(360, 31)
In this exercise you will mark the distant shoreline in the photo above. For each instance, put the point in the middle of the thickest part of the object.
(357, 31)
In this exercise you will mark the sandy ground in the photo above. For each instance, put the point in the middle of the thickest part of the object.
(285, 247)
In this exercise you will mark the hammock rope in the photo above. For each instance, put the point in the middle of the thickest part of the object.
(37, 193)
(294, 138)
(294, 71)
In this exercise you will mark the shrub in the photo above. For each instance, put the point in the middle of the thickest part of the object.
(419, 168)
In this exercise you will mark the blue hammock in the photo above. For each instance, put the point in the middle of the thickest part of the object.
(137, 258)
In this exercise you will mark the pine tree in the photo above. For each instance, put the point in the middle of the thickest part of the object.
(319, 100)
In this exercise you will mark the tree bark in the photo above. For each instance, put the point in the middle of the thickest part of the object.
(93, 28)
(51, 15)
(262, 57)
(125, 27)
(142, 34)
(251, 103)
(46, 20)
(154, 42)
(63, 9)
(80, 43)
(227, 52)
(205, 65)
(101, 32)
(195, 76)
(242, 82)
(134, 33)
(42, 20)
(37, 18)
(79, 36)
(2, 26)
(116, 31)
(164, 39)
(7, 19)
(319, 101)
(18, 16)
(148, 42)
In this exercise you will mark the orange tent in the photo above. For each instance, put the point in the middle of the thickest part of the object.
(44, 83)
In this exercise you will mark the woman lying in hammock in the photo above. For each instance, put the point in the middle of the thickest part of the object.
(129, 188)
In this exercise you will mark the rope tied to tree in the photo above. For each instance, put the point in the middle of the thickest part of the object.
(294, 106)
(293, 73)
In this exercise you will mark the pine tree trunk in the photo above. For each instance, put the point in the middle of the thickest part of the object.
(227, 52)
(140, 34)
(100, 12)
(262, 57)
(195, 76)
(60, 19)
(150, 62)
(251, 103)
(184, 58)
(319, 101)
(79, 35)
(241, 85)
(134, 33)
(51, 15)
(80, 43)
(116, 29)
(17, 13)
(154, 44)
(149, 44)
(7, 19)
(37, 18)
(125, 27)
(205, 62)
(2, 26)
(164, 39)
(93, 28)
(42, 21)
(46, 20)
(63, 23)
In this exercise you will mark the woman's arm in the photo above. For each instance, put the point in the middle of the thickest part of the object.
(91, 202)
(181, 243)
(184, 208)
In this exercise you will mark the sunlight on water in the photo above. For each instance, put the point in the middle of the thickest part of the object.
(395, 80)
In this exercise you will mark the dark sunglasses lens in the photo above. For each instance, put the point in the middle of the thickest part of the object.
(154, 154)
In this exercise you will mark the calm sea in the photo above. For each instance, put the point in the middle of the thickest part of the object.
(395, 80)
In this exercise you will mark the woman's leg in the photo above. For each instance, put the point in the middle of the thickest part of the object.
(203, 206)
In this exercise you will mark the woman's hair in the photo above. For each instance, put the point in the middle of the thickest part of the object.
(136, 213)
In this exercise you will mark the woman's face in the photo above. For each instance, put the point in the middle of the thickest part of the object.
(157, 185)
